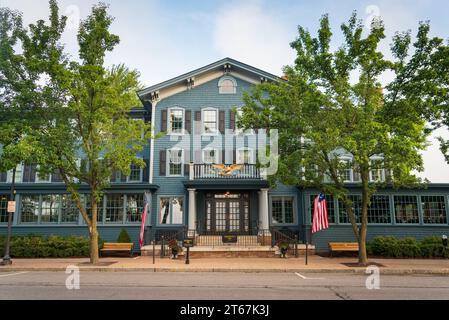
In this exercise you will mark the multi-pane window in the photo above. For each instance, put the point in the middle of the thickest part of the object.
(3, 208)
(171, 210)
(30, 209)
(135, 174)
(134, 207)
(356, 207)
(175, 162)
(176, 121)
(69, 210)
(434, 209)
(379, 209)
(114, 208)
(406, 209)
(346, 170)
(210, 121)
(51, 204)
(210, 156)
(99, 207)
(282, 210)
(329, 205)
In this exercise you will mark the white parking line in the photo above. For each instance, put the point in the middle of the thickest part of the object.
(306, 278)
(13, 274)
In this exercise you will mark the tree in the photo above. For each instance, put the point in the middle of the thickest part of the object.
(95, 124)
(80, 125)
(333, 114)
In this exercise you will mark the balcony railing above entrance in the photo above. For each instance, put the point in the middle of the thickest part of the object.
(222, 171)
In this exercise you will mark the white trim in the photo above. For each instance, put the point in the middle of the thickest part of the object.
(217, 131)
(238, 158)
(167, 165)
(169, 124)
(153, 116)
(210, 149)
(225, 78)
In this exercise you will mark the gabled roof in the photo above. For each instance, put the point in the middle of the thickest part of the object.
(236, 66)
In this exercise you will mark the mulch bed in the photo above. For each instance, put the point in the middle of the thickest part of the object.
(356, 265)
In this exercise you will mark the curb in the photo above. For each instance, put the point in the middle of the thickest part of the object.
(357, 271)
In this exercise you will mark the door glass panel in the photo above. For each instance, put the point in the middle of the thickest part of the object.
(220, 216)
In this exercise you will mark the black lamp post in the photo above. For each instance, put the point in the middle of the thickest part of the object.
(7, 259)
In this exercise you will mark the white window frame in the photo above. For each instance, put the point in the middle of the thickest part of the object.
(204, 133)
(348, 160)
(283, 198)
(169, 122)
(225, 78)
(170, 208)
(381, 171)
(39, 180)
(140, 176)
(203, 158)
(239, 159)
(168, 163)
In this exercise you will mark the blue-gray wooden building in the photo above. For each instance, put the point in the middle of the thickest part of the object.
(187, 190)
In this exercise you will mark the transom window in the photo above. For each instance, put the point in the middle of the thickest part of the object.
(210, 121)
(176, 120)
(282, 210)
(406, 209)
(434, 209)
(171, 210)
(227, 85)
(175, 161)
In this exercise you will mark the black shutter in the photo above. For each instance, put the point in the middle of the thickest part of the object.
(188, 121)
(198, 126)
(163, 120)
(232, 120)
(146, 170)
(186, 162)
(33, 170)
(223, 156)
(221, 122)
(162, 162)
(26, 173)
(3, 176)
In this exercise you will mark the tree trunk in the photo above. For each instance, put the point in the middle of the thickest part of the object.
(94, 257)
(363, 257)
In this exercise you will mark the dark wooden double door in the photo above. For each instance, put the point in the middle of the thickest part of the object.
(227, 213)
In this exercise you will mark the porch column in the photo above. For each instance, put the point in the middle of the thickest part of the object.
(192, 211)
(263, 210)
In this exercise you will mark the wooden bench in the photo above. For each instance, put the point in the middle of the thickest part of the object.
(117, 247)
(343, 246)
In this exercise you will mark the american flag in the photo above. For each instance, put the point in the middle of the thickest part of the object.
(320, 219)
(144, 218)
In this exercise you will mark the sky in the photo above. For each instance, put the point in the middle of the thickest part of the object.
(166, 38)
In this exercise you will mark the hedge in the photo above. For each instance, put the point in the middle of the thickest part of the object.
(430, 247)
(34, 246)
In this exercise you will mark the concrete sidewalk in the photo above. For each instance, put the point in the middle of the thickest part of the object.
(316, 264)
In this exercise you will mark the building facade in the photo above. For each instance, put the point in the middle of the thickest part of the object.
(201, 176)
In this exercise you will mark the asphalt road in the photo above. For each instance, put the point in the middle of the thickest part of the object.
(227, 286)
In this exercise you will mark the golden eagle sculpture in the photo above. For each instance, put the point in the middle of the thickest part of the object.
(227, 170)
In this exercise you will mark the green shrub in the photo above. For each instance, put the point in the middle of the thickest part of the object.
(32, 246)
(430, 247)
(123, 237)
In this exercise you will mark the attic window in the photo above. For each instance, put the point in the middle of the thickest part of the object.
(227, 85)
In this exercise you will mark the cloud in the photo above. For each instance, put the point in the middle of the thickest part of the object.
(246, 32)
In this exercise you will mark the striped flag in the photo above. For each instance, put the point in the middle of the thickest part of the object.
(144, 218)
(320, 219)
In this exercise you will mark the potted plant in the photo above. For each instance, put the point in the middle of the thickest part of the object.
(175, 248)
(283, 246)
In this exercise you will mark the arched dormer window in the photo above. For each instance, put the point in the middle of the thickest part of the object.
(227, 85)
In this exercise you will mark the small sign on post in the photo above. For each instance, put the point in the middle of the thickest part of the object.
(11, 206)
